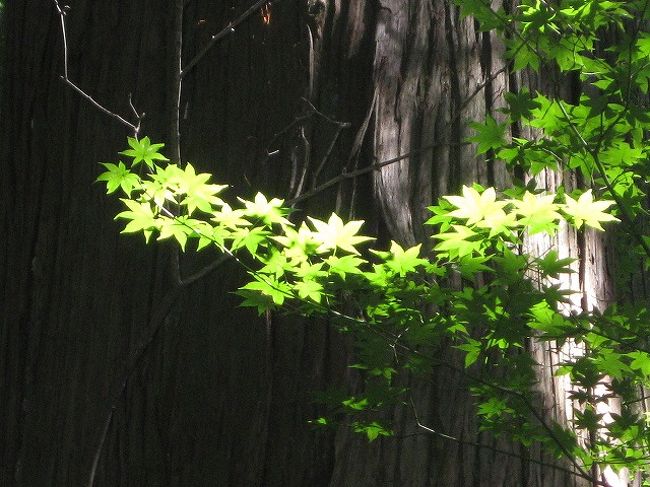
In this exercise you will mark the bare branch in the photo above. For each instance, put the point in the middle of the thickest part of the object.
(228, 29)
(66, 79)
(495, 449)
(205, 271)
(176, 82)
(161, 311)
(373, 167)
(134, 127)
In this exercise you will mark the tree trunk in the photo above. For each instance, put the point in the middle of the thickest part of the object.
(104, 360)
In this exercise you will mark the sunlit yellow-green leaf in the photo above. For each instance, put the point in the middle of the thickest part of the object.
(537, 212)
(268, 211)
(475, 206)
(587, 211)
(336, 234)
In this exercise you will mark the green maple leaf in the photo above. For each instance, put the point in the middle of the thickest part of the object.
(299, 244)
(547, 320)
(521, 104)
(475, 206)
(640, 362)
(621, 154)
(335, 234)
(268, 286)
(118, 176)
(309, 289)
(250, 238)
(178, 228)
(458, 243)
(538, 213)
(144, 151)
(276, 264)
(552, 266)
(198, 193)
(229, 218)
(348, 264)
(269, 211)
(490, 135)
(587, 211)
(402, 261)
(142, 218)
(610, 362)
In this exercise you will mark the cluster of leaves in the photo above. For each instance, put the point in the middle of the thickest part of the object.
(474, 288)
(398, 296)
(601, 136)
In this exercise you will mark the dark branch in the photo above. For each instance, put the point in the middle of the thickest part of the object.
(66, 79)
(228, 29)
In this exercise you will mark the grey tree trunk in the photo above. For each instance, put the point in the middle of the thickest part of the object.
(100, 352)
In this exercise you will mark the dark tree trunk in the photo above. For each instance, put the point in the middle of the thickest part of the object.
(218, 396)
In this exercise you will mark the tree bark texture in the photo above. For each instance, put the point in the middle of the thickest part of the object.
(190, 389)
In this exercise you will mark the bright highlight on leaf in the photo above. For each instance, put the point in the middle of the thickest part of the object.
(336, 234)
(586, 210)
(270, 212)
(538, 212)
(475, 206)
(198, 193)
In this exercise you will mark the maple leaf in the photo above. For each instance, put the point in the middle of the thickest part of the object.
(586, 210)
(538, 213)
(457, 243)
(144, 151)
(198, 193)
(269, 211)
(475, 206)
(142, 218)
(402, 261)
(118, 176)
(489, 135)
(335, 234)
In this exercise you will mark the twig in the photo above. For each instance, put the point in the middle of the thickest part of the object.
(353, 158)
(496, 449)
(176, 82)
(228, 29)
(364, 170)
(64, 36)
(66, 79)
(321, 114)
(328, 153)
(100, 447)
(119, 388)
(205, 271)
(102, 108)
(306, 163)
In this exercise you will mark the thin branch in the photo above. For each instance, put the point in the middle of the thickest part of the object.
(311, 111)
(100, 446)
(228, 29)
(176, 82)
(214, 265)
(493, 448)
(327, 155)
(134, 127)
(64, 36)
(66, 79)
(364, 170)
(321, 114)
(119, 387)
(306, 149)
